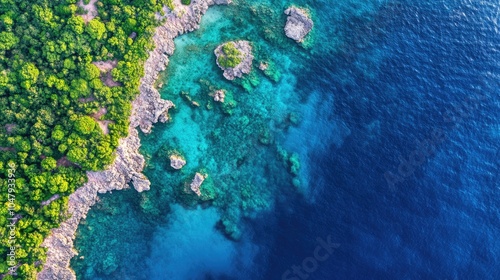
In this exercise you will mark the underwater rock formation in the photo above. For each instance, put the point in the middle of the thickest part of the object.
(177, 161)
(147, 108)
(298, 24)
(234, 58)
(189, 99)
(196, 183)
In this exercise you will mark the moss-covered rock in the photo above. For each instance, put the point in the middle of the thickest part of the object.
(230, 56)
(234, 58)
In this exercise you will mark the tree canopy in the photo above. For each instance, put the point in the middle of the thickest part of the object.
(50, 94)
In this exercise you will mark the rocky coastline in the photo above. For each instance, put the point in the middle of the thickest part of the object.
(147, 109)
(244, 67)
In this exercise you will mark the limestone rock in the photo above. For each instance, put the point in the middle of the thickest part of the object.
(244, 67)
(219, 95)
(263, 66)
(196, 183)
(147, 108)
(298, 24)
(177, 161)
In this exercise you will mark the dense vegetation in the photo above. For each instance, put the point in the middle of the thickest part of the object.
(50, 96)
(231, 56)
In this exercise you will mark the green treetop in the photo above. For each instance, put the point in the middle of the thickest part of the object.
(230, 57)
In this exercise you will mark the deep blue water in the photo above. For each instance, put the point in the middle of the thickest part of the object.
(441, 222)
(408, 85)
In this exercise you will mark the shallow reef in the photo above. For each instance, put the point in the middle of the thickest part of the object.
(240, 144)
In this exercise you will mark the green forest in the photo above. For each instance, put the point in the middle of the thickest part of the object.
(53, 100)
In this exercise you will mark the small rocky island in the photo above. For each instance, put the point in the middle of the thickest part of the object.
(298, 24)
(219, 95)
(234, 58)
(177, 161)
(196, 183)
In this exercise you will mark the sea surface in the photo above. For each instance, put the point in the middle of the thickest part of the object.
(370, 152)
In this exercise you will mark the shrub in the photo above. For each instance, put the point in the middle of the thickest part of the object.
(170, 4)
(230, 56)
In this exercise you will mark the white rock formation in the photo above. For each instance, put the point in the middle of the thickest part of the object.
(147, 109)
(219, 95)
(298, 24)
(177, 161)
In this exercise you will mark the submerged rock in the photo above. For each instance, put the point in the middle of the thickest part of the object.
(234, 58)
(177, 161)
(298, 24)
(185, 95)
(196, 183)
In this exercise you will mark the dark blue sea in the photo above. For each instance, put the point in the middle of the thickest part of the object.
(398, 141)
(441, 73)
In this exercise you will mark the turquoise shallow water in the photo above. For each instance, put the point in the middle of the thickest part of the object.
(344, 108)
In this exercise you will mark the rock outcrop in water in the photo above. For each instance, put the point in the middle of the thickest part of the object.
(147, 109)
(196, 183)
(219, 95)
(177, 161)
(298, 24)
(236, 63)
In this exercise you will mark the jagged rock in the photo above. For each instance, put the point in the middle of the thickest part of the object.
(244, 67)
(177, 161)
(147, 108)
(298, 24)
(196, 183)
(219, 95)
(263, 66)
(140, 182)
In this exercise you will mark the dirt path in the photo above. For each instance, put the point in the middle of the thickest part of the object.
(105, 67)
